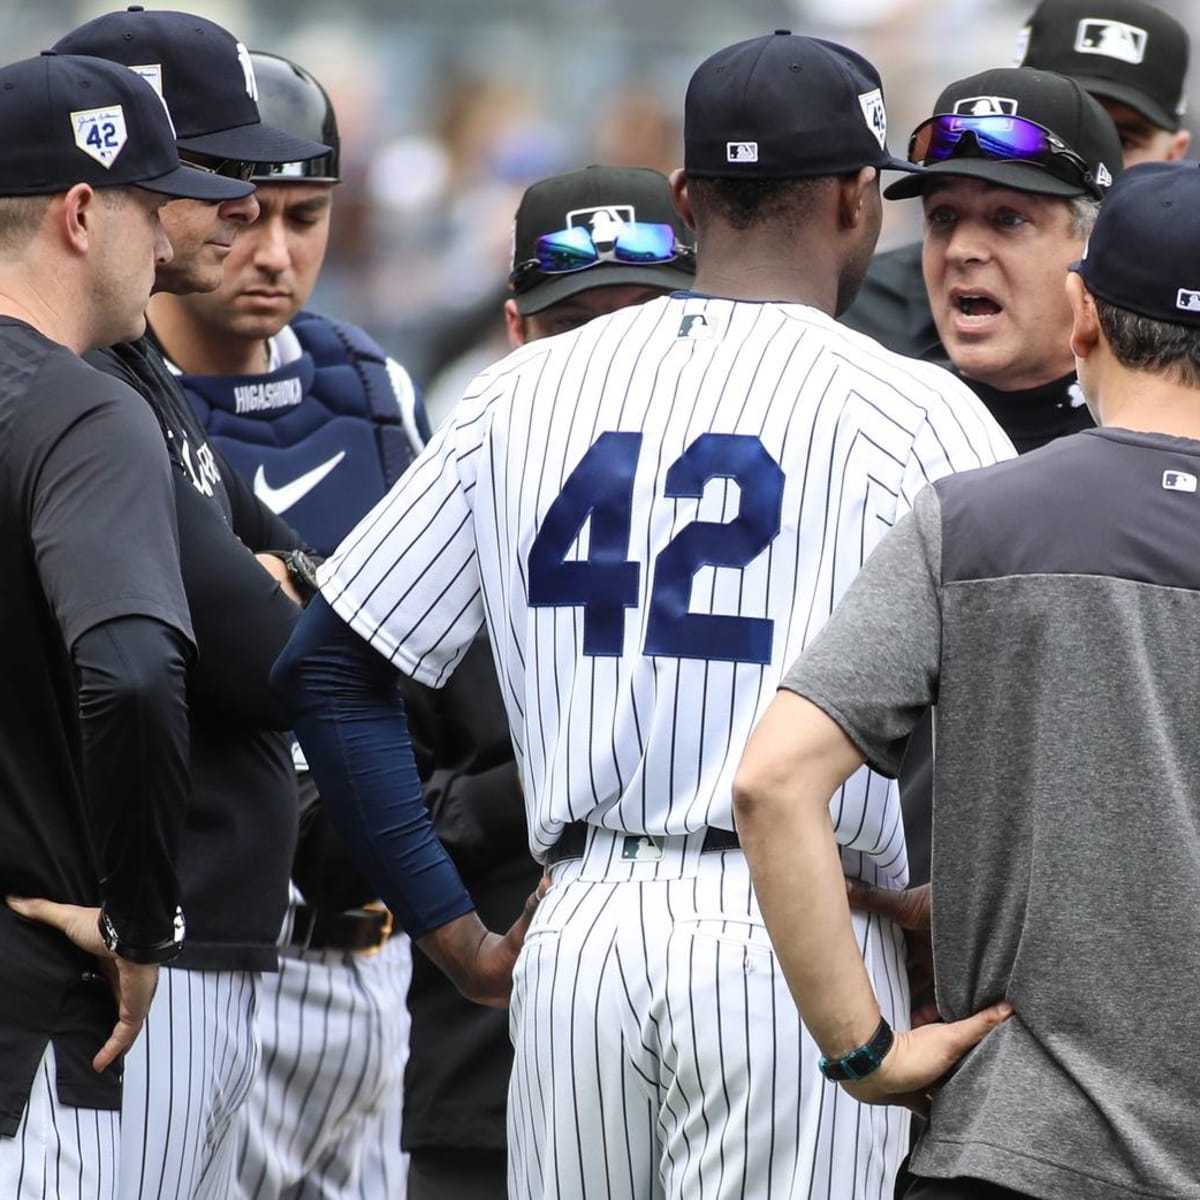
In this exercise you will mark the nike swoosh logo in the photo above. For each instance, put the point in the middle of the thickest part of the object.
(280, 499)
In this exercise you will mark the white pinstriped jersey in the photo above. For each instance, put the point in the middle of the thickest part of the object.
(654, 514)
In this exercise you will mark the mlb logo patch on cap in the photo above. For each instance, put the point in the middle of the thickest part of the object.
(100, 132)
(985, 106)
(604, 221)
(1188, 300)
(1113, 39)
(741, 152)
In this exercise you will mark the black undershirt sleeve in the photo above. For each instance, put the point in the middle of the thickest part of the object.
(241, 616)
(134, 724)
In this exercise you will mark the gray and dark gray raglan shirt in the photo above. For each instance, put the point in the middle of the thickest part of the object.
(1050, 607)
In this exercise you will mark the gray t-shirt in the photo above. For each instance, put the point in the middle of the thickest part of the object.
(1050, 607)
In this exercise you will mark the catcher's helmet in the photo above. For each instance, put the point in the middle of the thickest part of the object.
(290, 99)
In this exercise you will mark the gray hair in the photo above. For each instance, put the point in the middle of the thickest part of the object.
(1084, 211)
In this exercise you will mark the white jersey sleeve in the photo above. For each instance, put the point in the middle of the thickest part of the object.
(406, 578)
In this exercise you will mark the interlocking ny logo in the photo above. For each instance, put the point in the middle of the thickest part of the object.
(1113, 39)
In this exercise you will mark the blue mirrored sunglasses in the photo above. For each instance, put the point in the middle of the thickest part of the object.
(1002, 139)
(568, 250)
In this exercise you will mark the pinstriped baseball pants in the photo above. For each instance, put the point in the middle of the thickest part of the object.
(658, 1052)
(59, 1150)
(185, 1079)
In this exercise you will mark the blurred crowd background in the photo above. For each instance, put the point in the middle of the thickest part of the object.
(449, 108)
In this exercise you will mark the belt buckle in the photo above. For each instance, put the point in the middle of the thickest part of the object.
(389, 925)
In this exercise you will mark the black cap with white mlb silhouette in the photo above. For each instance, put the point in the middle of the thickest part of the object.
(204, 76)
(598, 200)
(1056, 103)
(1143, 254)
(67, 119)
(1125, 50)
(785, 106)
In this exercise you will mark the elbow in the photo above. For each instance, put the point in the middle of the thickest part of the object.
(752, 793)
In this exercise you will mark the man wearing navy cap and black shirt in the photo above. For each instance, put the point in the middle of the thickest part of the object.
(1132, 57)
(656, 1050)
(1051, 606)
(93, 718)
(186, 1078)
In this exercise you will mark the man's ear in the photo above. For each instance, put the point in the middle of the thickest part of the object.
(852, 196)
(1179, 145)
(680, 197)
(515, 323)
(1085, 323)
(75, 211)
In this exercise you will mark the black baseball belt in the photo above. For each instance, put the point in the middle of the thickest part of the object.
(573, 842)
(354, 930)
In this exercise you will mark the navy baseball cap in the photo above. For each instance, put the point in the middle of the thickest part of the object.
(1124, 50)
(600, 208)
(204, 75)
(1081, 157)
(785, 106)
(67, 119)
(1143, 254)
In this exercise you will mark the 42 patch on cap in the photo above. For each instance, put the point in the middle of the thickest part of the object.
(100, 132)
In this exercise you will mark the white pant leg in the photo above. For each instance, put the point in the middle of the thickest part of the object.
(323, 1119)
(60, 1151)
(185, 1079)
(658, 1050)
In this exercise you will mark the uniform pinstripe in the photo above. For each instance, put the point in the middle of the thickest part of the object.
(200, 1037)
(737, 461)
(59, 1150)
(324, 1114)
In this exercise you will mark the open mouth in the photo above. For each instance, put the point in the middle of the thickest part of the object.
(977, 306)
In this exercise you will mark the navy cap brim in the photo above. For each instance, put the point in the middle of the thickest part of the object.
(188, 183)
(891, 163)
(1123, 93)
(254, 143)
(551, 289)
(1020, 177)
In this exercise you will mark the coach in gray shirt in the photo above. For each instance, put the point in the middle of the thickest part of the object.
(1051, 607)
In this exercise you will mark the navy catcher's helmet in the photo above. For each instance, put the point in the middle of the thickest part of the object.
(290, 99)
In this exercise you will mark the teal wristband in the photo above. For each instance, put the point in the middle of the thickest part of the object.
(860, 1063)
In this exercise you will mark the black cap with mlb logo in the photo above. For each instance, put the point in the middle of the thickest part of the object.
(1056, 103)
(1143, 254)
(600, 200)
(785, 106)
(1125, 50)
(202, 72)
(66, 119)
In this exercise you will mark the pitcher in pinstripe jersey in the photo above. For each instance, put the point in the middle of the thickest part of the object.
(653, 514)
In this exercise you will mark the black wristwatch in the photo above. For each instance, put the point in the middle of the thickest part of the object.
(159, 952)
(302, 571)
(861, 1062)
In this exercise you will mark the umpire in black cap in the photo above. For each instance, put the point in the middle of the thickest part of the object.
(1131, 56)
